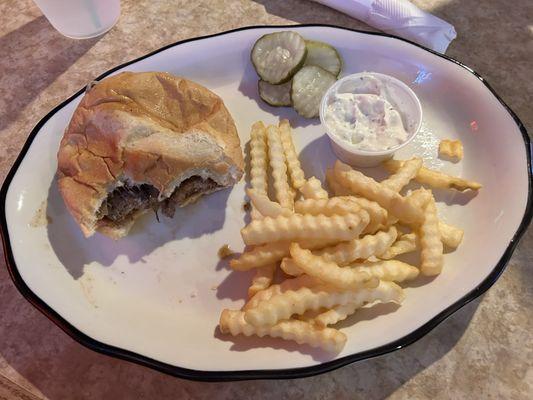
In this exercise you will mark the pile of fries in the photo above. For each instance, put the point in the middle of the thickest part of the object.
(336, 253)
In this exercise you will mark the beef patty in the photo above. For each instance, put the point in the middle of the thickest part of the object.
(127, 199)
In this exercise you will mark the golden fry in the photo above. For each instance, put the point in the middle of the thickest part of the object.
(344, 205)
(265, 206)
(258, 162)
(260, 256)
(398, 205)
(300, 227)
(334, 186)
(434, 178)
(329, 272)
(272, 252)
(451, 236)
(262, 279)
(312, 189)
(379, 217)
(284, 305)
(288, 284)
(293, 163)
(332, 340)
(336, 314)
(288, 266)
(431, 256)
(258, 158)
(357, 249)
(388, 270)
(419, 198)
(346, 252)
(406, 243)
(404, 175)
(384, 293)
(279, 168)
(327, 207)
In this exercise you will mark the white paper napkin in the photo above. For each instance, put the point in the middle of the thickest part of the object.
(400, 18)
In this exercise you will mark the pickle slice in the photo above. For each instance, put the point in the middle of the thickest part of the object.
(278, 56)
(308, 87)
(275, 95)
(324, 56)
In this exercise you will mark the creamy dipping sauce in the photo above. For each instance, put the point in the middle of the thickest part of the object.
(362, 115)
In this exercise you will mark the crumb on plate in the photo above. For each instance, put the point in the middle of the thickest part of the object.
(451, 149)
(224, 252)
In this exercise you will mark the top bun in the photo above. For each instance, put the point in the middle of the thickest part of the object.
(149, 131)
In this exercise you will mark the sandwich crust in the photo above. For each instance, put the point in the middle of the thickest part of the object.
(143, 128)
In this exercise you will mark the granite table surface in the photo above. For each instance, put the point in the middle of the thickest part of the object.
(483, 351)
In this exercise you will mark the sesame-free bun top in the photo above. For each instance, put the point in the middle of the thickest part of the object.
(143, 128)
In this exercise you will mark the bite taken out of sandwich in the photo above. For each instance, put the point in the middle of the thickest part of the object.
(145, 141)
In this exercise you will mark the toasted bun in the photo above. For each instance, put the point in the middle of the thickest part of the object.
(136, 128)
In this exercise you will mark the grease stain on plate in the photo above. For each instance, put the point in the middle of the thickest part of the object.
(40, 218)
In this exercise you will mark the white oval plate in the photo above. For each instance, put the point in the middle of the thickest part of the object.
(155, 297)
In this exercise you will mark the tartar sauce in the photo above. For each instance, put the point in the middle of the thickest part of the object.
(361, 114)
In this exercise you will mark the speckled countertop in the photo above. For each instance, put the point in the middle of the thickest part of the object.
(485, 350)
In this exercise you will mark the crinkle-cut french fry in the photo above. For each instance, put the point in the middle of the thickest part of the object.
(258, 162)
(419, 198)
(262, 279)
(283, 305)
(335, 187)
(452, 149)
(312, 189)
(327, 207)
(336, 314)
(279, 168)
(260, 256)
(406, 243)
(258, 158)
(404, 175)
(329, 272)
(344, 205)
(265, 206)
(391, 220)
(451, 236)
(368, 245)
(293, 163)
(346, 252)
(329, 339)
(389, 270)
(272, 252)
(300, 227)
(287, 284)
(434, 178)
(398, 205)
(310, 315)
(382, 294)
(431, 257)
(379, 217)
(293, 193)
(288, 266)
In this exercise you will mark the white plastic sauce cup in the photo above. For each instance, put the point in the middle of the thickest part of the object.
(400, 95)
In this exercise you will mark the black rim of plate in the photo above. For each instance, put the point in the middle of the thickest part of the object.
(257, 374)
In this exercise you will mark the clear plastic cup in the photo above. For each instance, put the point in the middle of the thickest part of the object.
(81, 19)
(400, 94)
